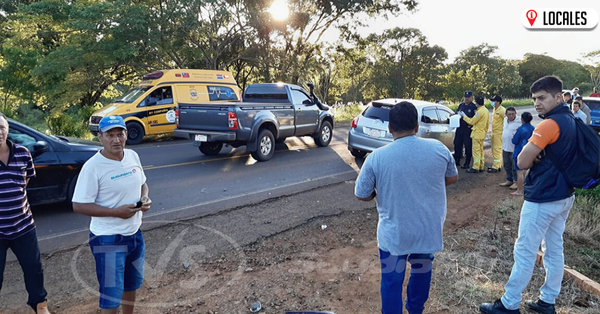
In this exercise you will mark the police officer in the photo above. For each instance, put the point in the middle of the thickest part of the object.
(497, 128)
(463, 132)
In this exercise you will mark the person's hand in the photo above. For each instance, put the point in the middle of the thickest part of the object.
(126, 211)
(462, 114)
(146, 203)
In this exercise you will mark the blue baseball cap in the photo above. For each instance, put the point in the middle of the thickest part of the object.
(111, 122)
(468, 93)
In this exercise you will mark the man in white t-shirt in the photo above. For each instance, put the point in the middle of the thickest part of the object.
(112, 189)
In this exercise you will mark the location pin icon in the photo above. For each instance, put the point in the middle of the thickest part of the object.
(531, 16)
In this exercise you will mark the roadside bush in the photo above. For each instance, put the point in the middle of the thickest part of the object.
(72, 122)
(32, 116)
(347, 113)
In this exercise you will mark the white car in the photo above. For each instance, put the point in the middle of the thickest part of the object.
(369, 130)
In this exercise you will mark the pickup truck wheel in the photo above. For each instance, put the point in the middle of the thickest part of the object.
(358, 153)
(266, 146)
(210, 149)
(135, 133)
(324, 136)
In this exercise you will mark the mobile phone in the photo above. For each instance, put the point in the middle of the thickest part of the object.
(138, 204)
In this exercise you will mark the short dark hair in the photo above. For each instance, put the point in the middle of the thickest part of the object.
(479, 100)
(567, 93)
(526, 117)
(511, 109)
(550, 83)
(403, 117)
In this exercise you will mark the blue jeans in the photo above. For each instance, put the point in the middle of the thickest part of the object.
(392, 280)
(27, 252)
(539, 221)
(119, 265)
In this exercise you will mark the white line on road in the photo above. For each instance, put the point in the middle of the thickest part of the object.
(290, 149)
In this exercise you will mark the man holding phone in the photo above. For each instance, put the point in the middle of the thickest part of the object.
(112, 189)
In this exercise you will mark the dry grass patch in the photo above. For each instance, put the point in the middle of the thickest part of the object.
(475, 266)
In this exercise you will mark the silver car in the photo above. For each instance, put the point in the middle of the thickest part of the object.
(369, 130)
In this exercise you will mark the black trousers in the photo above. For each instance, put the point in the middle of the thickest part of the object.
(27, 252)
(462, 137)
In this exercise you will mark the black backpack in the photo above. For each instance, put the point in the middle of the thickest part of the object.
(584, 170)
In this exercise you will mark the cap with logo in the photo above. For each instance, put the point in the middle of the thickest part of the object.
(468, 93)
(496, 98)
(111, 122)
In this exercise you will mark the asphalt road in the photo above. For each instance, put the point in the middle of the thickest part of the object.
(184, 183)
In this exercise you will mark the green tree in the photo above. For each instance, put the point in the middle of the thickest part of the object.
(498, 76)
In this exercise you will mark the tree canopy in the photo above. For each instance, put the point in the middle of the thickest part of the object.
(62, 56)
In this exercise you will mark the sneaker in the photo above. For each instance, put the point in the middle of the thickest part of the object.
(473, 171)
(514, 186)
(540, 307)
(493, 170)
(496, 308)
(465, 167)
(507, 183)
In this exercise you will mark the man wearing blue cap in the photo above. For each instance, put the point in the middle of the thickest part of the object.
(462, 137)
(112, 189)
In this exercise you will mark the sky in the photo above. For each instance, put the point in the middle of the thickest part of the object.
(457, 25)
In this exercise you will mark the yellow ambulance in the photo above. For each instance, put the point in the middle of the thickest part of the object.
(150, 107)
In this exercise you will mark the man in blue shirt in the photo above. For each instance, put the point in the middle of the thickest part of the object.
(409, 178)
(462, 137)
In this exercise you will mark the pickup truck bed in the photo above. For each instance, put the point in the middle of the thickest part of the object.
(268, 113)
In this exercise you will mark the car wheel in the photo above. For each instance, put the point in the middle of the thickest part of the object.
(266, 146)
(210, 149)
(358, 153)
(323, 138)
(135, 133)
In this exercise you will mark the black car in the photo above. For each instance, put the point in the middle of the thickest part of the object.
(57, 161)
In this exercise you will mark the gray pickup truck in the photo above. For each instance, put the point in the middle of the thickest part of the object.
(266, 114)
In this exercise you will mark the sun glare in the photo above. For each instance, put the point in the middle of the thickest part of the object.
(279, 9)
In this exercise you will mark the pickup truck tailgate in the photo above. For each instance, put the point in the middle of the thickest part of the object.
(209, 117)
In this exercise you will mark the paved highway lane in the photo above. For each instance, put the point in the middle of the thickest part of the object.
(184, 183)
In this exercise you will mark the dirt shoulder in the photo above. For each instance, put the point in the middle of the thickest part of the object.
(314, 250)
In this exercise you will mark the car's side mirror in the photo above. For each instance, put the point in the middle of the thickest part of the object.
(39, 148)
(307, 102)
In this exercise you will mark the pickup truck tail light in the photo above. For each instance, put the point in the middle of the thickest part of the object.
(233, 121)
(177, 116)
(354, 123)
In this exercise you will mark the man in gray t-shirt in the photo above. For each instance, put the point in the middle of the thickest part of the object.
(409, 178)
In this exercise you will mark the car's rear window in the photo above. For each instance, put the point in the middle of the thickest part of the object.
(378, 111)
(593, 104)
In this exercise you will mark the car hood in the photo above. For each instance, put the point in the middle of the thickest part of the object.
(80, 145)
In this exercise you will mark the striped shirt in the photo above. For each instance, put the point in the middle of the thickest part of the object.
(15, 215)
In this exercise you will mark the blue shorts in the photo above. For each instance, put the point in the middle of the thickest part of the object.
(119, 265)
